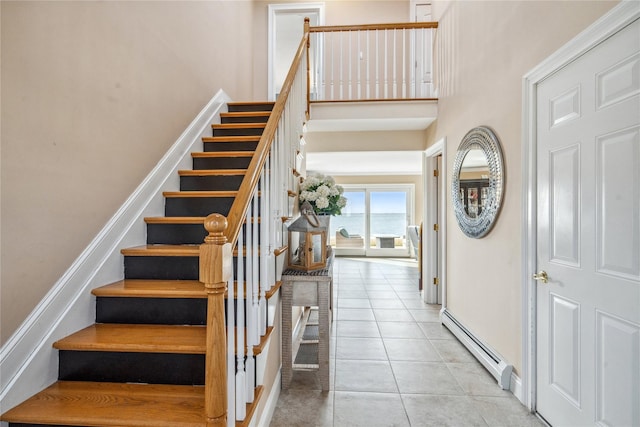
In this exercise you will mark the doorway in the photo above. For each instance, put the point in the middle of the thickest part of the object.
(286, 26)
(434, 226)
(375, 221)
(582, 228)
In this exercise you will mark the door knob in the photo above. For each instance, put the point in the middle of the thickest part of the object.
(541, 276)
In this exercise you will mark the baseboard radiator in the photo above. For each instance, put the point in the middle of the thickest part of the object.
(490, 359)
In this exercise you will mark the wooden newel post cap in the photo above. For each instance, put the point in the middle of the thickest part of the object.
(216, 225)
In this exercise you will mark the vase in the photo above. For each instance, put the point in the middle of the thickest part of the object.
(325, 221)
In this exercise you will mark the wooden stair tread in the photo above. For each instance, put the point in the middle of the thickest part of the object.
(212, 172)
(152, 289)
(238, 125)
(217, 154)
(144, 288)
(170, 250)
(182, 220)
(162, 250)
(231, 138)
(200, 193)
(174, 220)
(257, 349)
(113, 404)
(242, 103)
(246, 114)
(137, 338)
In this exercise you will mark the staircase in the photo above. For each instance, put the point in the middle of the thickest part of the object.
(143, 362)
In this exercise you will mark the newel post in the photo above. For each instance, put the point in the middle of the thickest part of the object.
(216, 263)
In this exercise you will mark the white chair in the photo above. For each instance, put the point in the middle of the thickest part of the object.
(413, 231)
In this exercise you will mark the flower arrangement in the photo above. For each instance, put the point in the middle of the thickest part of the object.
(323, 194)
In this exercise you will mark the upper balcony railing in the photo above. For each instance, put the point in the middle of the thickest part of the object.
(371, 62)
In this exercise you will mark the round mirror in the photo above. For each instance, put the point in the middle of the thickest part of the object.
(478, 178)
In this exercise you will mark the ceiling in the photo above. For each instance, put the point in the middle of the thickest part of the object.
(347, 119)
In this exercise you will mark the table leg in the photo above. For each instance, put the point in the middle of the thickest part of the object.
(287, 348)
(324, 326)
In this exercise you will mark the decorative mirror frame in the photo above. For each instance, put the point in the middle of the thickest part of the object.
(483, 138)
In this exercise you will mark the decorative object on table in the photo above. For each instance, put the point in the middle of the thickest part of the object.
(308, 241)
(323, 194)
(478, 182)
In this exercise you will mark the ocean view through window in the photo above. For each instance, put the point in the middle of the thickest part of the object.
(378, 214)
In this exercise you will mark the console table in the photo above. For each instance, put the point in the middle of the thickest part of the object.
(308, 289)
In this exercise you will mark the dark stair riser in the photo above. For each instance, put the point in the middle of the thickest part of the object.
(124, 367)
(213, 163)
(245, 131)
(151, 311)
(165, 267)
(245, 119)
(197, 206)
(111, 310)
(230, 146)
(211, 183)
(237, 108)
(180, 234)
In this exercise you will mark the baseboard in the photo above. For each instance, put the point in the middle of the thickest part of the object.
(489, 358)
(272, 401)
(516, 387)
(28, 363)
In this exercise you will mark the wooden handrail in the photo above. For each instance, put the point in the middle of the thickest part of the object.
(369, 27)
(249, 184)
(216, 264)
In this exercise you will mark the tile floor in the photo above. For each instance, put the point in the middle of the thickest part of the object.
(392, 363)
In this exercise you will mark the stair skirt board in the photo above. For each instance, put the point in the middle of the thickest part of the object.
(27, 360)
(490, 359)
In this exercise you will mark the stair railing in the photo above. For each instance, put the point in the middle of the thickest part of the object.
(372, 62)
(254, 230)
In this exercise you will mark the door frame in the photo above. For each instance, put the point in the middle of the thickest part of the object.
(276, 9)
(610, 23)
(435, 205)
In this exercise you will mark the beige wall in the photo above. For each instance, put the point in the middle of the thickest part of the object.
(93, 94)
(483, 49)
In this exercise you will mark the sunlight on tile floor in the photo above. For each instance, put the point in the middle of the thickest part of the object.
(392, 363)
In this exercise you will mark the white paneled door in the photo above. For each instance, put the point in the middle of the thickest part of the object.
(588, 312)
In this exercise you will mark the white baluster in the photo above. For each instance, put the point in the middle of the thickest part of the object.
(395, 66)
(240, 395)
(377, 66)
(404, 64)
(264, 249)
(231, 356)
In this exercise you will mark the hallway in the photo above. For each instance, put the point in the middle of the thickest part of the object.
(392, 363)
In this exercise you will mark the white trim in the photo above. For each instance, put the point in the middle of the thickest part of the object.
(516, 386)
(274, 9)
(610, 23)
(431, 263)
(272, 401)
(28, 362)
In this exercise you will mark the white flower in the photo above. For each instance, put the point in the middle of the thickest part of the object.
(322, 202)
(308, 195)
(323, 194)
(323, 190)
